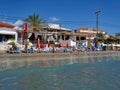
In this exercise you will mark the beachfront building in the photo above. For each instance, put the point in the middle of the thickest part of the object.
(7, 32)
(56, 32)
(87, 33)
(51, 32)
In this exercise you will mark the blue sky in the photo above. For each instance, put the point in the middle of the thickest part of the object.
(71, 14)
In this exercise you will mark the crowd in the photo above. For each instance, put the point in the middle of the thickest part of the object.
(80, 47)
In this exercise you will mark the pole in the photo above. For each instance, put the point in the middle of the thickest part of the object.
(97, 13)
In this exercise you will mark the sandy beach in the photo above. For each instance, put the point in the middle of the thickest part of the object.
(47, 56)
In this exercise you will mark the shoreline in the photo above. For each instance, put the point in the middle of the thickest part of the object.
(47, 56)
(12, 61)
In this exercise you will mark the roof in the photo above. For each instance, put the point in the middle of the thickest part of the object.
(82, 34)
(79, 34)
(56, 27)
(3, 24)
(85, 29)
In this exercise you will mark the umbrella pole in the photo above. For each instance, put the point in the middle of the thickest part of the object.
(23, 37)
(38, 42)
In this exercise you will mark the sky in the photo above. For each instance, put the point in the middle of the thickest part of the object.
(71, 14)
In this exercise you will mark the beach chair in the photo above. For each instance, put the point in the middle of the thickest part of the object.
(31, 50)
(14, 50)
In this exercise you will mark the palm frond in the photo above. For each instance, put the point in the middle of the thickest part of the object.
(35, 22)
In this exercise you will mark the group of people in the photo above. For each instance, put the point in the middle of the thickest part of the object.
(83, 46)
(93, 46)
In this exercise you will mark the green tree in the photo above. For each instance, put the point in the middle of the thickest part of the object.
(100, 35)
(35, 23)
(117, 36)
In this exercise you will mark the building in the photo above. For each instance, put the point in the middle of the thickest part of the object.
(58, 32)
(90, 31)
(87, 33)
(66, 34)
(7, 32)
(54, 32)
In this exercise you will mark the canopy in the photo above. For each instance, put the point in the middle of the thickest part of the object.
(7, 31)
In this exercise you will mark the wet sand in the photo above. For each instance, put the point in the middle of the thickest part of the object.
(47, 56)
(25, 60)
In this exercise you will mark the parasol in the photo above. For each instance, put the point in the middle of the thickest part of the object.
(42, 45)
(67, 45)
(29, 43)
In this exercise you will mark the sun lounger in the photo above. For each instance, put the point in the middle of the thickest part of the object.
(14, 50)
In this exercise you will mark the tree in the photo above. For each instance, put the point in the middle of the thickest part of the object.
(117, 35)
(100, 35)
(35, 23)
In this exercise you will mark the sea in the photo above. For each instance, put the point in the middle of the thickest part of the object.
(92, 73)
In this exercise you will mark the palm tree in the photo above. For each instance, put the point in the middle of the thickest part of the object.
(36, 24)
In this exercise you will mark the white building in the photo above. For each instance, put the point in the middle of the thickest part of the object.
(6, 33)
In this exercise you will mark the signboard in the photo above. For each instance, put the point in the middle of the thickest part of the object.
(25, 27)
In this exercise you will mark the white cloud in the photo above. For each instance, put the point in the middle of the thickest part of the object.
(19, 23)
(53, 19)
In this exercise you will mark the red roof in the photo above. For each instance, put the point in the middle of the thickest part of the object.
(82, 28)
(3, 24)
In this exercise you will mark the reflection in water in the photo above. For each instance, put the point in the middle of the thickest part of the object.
(90, 73)
(12, 64)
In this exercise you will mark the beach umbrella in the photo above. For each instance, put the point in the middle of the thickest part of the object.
(29, 43)
(8, 42)
(67, 45)
(48, 44)
(60, 45)
(37, 45)
(42, 45)
(12, 43)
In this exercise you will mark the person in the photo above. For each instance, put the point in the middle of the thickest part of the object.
(78, 50)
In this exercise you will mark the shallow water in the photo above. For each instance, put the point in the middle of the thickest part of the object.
(69, 74)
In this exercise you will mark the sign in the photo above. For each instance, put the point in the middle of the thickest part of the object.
(25, 27)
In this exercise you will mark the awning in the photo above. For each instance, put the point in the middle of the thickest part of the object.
(7, 31)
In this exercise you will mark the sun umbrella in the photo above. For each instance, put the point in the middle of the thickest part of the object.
(8, 42)
(67, 45)
(60, 45)
(29, 43)
(37, 45)
(42, 45)
(12, 43)
(48, 44)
